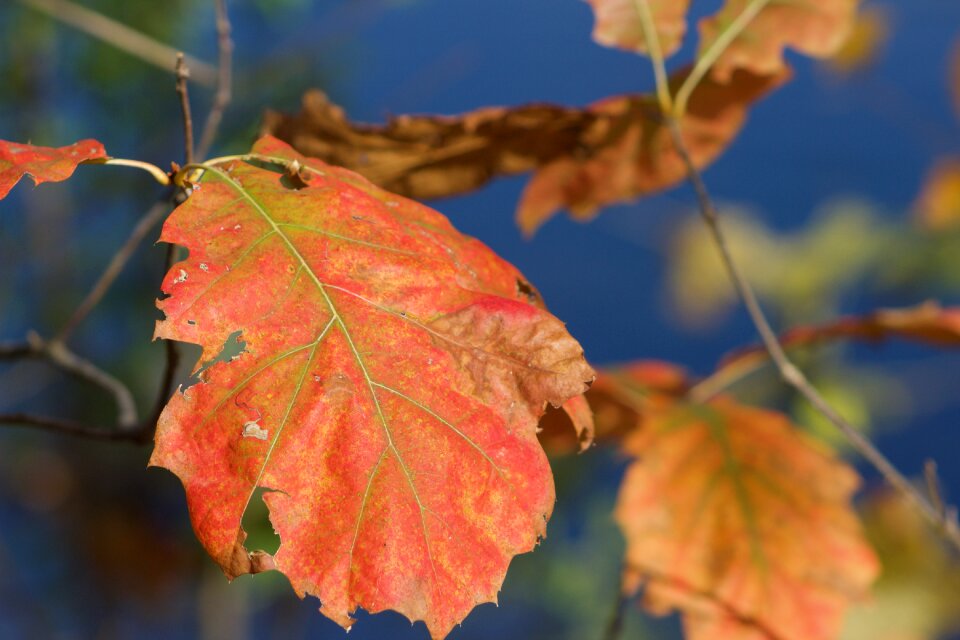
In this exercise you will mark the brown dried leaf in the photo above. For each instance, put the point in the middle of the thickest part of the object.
(618, 24)
(815, 27)
(612, 151)
(628, 153)
(424, 157)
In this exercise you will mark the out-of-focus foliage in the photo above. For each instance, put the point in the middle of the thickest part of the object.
(917, 594)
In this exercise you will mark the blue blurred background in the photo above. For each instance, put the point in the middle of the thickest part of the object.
(820, 188)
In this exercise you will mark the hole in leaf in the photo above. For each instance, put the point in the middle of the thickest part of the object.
(232, 348)
(524, 288)
(256, 522)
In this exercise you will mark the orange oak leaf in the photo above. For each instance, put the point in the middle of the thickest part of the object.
(742, 523)
(927, 322)
(629, 153)
(43, 164)
(386, 398)
(815, 27)
(426, 157)
(938, 205)
(618, 23)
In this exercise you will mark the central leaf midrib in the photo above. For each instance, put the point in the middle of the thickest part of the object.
(258, 207)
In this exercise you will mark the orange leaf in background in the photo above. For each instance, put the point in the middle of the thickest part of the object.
(870, 32)
(927, 322)
(618, 24)
(43, 164)
(743, 524)
(815, 27)
(424, 157)
(938, 205)
(628, 153)
(386, 399)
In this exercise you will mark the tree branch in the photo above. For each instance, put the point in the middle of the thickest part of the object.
(58, 354)
(183, 73)
(156, 213)
(120, 36)
(221, 99)
(72, 428)
(791, 375)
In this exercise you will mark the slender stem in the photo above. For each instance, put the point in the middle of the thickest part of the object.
(221, 100)
(70, 428)
(58, 354)
(109, 275)
(713, 52)
(158, 174)
(120, 36)
(614, 626)
(788, 371)
(649, 29)
(183, 73)
(723, 378)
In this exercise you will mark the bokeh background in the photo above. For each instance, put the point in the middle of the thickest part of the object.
(821, 190)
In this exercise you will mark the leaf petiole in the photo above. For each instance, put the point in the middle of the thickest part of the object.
(159, 174)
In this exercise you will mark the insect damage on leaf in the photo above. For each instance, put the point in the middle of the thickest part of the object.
(388, 394)
(43, 164)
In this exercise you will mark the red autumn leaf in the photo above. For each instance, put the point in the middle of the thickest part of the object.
(629, 153)
(386, 399)
(742, 523)
(618, 23)
(814, 27)
(927, 322)
(43, 164)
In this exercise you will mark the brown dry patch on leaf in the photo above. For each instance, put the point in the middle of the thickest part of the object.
(741, 523)
(628, 152)
(618, 24)
(816, 28)
(424, 157)
(938, 205)
(616, 399)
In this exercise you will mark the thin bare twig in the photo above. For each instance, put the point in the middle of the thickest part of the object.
(121, 36)
(615, 624)
(183, 74)
(790, 374)
(221, 100)
(114, 268)
(73, 428)
(58, 354)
